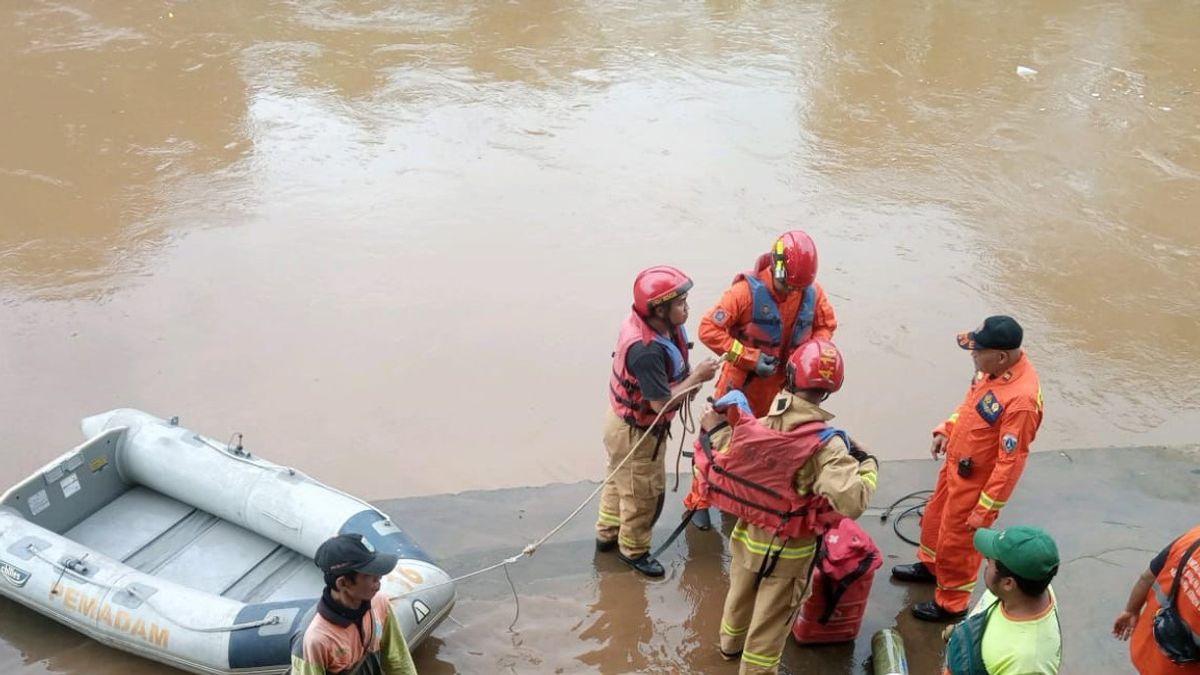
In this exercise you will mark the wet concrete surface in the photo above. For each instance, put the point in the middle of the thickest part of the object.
(1110, 510)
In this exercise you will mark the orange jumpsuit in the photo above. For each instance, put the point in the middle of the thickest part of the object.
(993, 427)
(735, 308)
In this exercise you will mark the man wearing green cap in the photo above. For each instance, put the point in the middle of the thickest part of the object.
(1013, 629)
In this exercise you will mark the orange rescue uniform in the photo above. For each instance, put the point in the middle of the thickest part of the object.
(992, 428)
(734, 310)
(1143, 650)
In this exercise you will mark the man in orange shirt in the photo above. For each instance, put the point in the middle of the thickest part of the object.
(1174, 578)
(986, 443)
(352, 629)
(756, 324)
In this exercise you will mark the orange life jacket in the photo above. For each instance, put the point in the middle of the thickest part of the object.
(765, 329)
(624, 391)
(755, 478)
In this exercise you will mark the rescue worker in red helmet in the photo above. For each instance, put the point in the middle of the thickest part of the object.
(986, 443)
(650, 367)
(821, 473)
(759, 320)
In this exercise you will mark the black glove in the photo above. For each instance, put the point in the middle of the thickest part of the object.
(859, 454)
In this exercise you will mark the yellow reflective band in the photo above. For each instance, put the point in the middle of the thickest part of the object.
(928, 551)
(1039, 399)
(966, 588)
(633, 543)
(736, 349)
(730, 630)
(609, 518)
(761, 660)
(988, 503)
(870, 478)
(756, 547)
(953, 418)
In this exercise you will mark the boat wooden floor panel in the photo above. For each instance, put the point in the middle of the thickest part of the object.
(166, 538)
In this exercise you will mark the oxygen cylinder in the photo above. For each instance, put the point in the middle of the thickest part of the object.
(887, 653)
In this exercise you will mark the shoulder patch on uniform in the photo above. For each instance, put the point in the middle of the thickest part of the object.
(989, 408)
(719, 316)
(781, 405)
(1009, 441)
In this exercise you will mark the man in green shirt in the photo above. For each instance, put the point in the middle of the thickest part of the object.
(1014, 626)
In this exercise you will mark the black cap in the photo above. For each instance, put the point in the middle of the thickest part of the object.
(353, 553)
(997, 332)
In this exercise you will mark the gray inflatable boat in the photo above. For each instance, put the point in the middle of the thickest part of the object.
(159, 541)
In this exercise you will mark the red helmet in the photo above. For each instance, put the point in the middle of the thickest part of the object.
(816, 364)
(657, 285)
(794, 259)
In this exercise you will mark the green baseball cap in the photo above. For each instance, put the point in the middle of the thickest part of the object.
(1028, 551)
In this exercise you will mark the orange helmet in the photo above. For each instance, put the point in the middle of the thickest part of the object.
(655, 286)
(794, 259)
(816, 364)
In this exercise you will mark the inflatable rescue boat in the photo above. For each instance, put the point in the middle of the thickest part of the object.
(161, 542)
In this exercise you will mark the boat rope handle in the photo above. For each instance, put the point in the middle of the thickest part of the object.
(69, 571)
(530, 549)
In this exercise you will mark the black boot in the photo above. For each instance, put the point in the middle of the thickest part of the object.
(605, 545)
(917, 573)
(702, 520)
(931, 611)
(644, 564)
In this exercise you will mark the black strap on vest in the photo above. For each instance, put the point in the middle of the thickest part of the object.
(834, 590)
(1173, 595)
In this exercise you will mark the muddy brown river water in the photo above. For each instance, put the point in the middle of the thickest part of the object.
(391, 242)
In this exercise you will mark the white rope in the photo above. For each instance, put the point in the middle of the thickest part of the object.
(530, 549)
(146, 600)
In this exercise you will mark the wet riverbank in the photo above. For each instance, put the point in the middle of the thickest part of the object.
(1110, 511)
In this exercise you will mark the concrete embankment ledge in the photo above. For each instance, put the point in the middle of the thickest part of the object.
(1109, 509)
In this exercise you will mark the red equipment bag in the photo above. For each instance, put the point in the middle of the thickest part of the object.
(841, 581)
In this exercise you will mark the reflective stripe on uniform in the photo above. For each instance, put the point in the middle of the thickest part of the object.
(1158, 592)
(735, 350)
(869, 477)
(730, 630)
(628, 542)
(988, 503)
(607, 518)
(966, 588)
(741, 534)
(761, 660)
(929, 552)
(953, 418)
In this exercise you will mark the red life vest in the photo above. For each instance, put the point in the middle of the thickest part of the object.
(624, 391)
(755, 479)
(765, 329)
